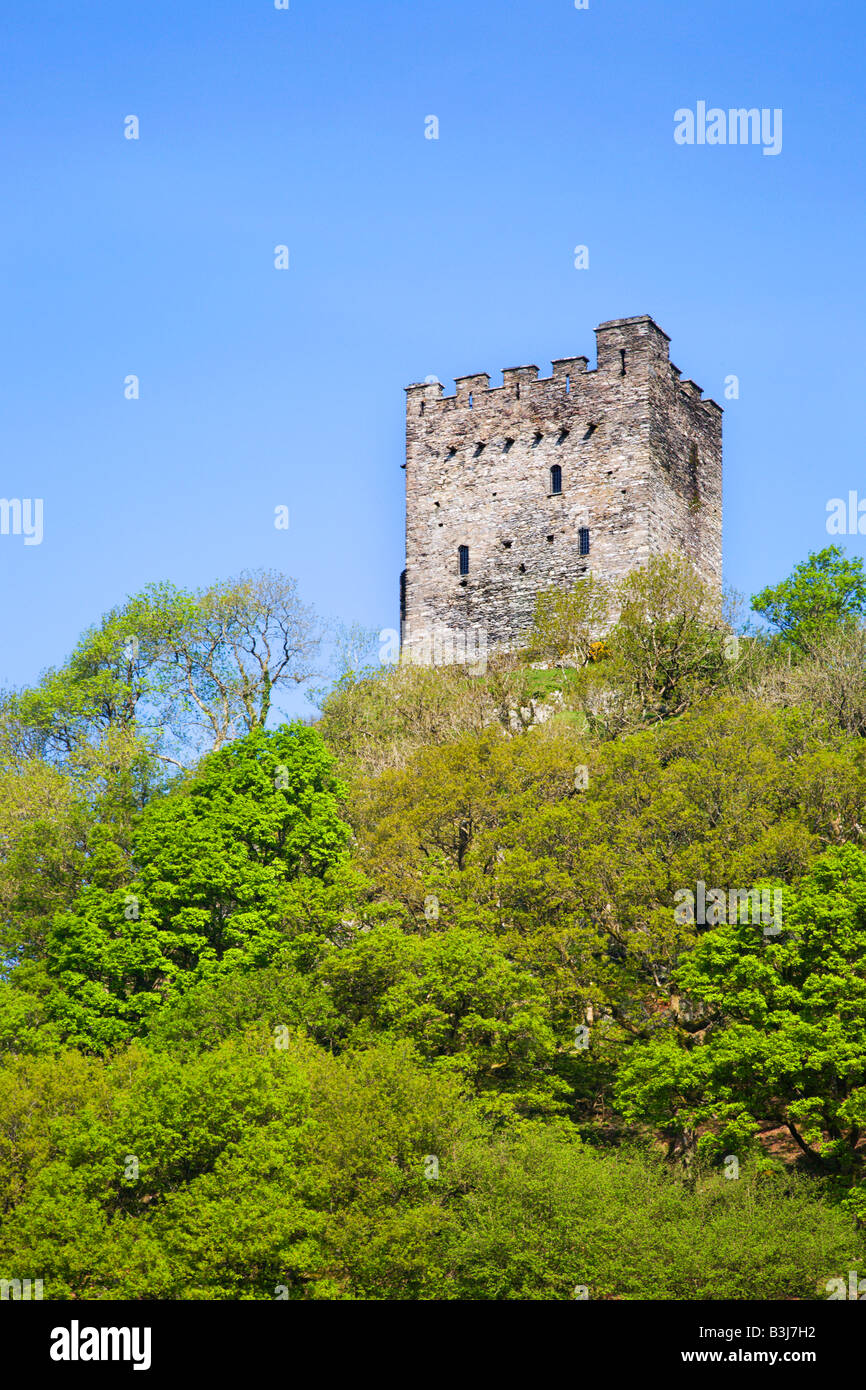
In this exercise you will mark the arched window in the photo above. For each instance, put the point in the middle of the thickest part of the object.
(463, 556)
(556, 478)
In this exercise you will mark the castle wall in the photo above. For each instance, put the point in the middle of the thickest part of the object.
(478, 474)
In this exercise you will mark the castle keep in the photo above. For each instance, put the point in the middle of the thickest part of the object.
(534, 483)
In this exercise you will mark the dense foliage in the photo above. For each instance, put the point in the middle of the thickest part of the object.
(467, 988)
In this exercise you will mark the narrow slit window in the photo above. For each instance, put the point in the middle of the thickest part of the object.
(693, 470)
(622, 361)
(583, 540)
(463, 558)
(568, 385)
(556, 479)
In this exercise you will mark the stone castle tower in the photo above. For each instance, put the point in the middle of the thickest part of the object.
(532, 484)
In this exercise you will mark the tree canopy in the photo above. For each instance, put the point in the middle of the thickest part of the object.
(400, 1002)
(823, 592)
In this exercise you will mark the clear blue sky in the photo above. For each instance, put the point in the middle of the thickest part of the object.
(409, 256)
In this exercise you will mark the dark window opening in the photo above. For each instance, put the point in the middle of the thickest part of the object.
(693, 475)
(550, 538)
(622, 361)
(568, 385)
(507, 544)
(509, 444)
(479, 450)
(463, 556)
(435, 504)
(451, 452)
(590, 432)
(562, 436)
(537, 440)
(470, 400)
(423, 406)
(556, 479)
(583, 540)
(518, 390)
(522, 569)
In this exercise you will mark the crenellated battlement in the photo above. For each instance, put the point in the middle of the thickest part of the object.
(537, 480)
(638, 338)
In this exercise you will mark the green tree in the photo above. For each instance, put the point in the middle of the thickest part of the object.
(578, 883)
(670, 642)
(778, 1031)
(541, 1216)
(460, 1000)
(235, 646)
(184, 671)
(253, 1171)
(567, 623)
(824, 592)
(218, 863)
(249, 1169)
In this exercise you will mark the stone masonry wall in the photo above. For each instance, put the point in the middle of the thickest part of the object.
(641, 460)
